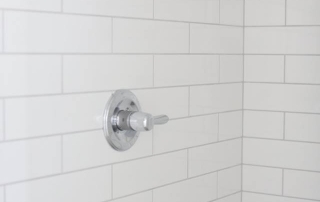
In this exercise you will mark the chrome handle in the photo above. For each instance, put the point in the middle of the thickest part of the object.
(138, 121)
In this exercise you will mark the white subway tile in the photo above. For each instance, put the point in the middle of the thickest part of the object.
(303, 127)
(85, 186)
(279, 97)
(264, 68)
(23, 160)
(263, 124)
(1, 120)
(303, 69)
(126, 8)
(93, 73)
(170, 101)
(231, 12)
(200, 189)
(91, 149)
(294, 155)
(183, 133)
(215, 39)
(53, 33)
(148, 173)
(229, 181)
(145, 36)
(302, 184)
(303, 12)
(206, 11)
(40, 5)
(204, 99)
(141, 197)
(262, 179)
(282, 40)
(230, 125)
(233, 198)
(251, 197)
(40, 116)
(214, 157)
(173, 70)
(1, 194)
(231, 68)
(265, 12)
(30, 75)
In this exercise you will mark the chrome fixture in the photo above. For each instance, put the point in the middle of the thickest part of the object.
(123, 120)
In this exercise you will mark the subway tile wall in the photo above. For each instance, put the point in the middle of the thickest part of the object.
(281, 149)
(60, 61)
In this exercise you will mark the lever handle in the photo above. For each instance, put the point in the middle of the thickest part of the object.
(139, 121)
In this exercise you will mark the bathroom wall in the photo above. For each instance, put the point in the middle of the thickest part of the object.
(282, 101)
(60, 61)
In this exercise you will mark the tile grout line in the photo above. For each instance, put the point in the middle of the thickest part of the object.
(282, 140)
(285, 196)
(121, 162)
(238, 192)
(293, 169)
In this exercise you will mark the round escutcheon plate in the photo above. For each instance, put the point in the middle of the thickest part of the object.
(121, 100)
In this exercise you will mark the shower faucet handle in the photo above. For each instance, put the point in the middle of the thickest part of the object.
(138, 121)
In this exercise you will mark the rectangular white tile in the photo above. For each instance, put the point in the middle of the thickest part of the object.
(263, 124)
(183, 133)
(148, 173)
(90, 149)
(53, 33)
(145, 36)
(265, 12)
(170, 101)
(279, 97)
(30, 75)
(303, 69)
(282, 40)
(141, 197)
(302, 184)
(233, 198)
(251, 197)
(173, 70)
(231, 12)
(264, 68)
(1, 194)
(303, 127)
(262, 179)
(1, 120)
(206, 11)
(214, 157)
(230, 125)
(200, 189)
(83, 73)
(84, 186)
(274, 153)
(40, 116)
(126, 8)
(39, 5)
(215, 39)
(303, 12)
(215, 98)
(23, 160)
(231, 68)
(229, 181)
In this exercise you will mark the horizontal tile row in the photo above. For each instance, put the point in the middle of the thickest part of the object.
(275, 181)
(205, 11)
(253, 197)
(279, 125)
(282, 154)
(38, 75)
(282, 40)
(62, 115)
(282, 97)
(282, 12)
(54, 33)
(290, 69)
